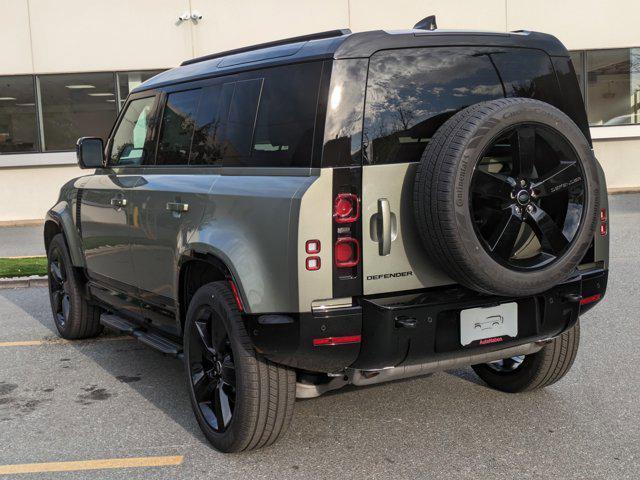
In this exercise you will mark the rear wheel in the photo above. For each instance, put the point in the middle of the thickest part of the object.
(241, 400)
(74, 316)
(538, 370)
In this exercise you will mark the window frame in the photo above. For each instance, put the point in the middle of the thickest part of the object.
(160, 108)
(151, 132)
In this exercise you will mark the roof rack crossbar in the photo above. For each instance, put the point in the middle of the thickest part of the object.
(302, 38)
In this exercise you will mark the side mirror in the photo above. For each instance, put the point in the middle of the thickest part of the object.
(90, 152)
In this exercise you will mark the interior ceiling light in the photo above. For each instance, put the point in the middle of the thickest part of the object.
(79, 87)
(26, 104)
(102, 94)
(7, 98)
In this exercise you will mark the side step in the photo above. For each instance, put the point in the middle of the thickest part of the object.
(153, 340)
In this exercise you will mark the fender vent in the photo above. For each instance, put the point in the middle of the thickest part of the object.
(78, 205)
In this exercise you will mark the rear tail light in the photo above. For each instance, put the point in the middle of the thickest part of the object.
(312, 247)
(603, 221)
(346, 208)
(347, 252)
(591, 299)
(313, 263)
(329, 341)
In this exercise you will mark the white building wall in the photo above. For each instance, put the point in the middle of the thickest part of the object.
(44, 36)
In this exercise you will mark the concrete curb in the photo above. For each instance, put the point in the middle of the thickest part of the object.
(23, 282)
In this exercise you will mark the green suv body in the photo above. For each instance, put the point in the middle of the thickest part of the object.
(339, 209)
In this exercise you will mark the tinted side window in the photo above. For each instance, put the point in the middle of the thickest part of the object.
(177, 127)
(529, 74)
(286, 118)
(241, 121)
(130, 145)
(208, 147)
(411, 92)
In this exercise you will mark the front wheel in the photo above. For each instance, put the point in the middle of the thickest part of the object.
(73, 314)
(241, 400)
(538, 370)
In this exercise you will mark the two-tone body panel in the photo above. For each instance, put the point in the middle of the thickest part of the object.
(247, 182)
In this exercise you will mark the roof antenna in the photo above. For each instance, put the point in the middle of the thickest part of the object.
(427, 23)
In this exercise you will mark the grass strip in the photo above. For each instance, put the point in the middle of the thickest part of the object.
(23, 267)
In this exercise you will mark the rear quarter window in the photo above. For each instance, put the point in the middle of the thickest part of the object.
(267, 117)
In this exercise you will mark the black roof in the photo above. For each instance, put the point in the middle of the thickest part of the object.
(339, 44)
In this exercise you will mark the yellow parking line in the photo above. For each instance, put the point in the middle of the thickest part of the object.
(59, 341)
(91, 465)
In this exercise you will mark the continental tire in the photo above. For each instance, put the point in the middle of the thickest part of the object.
(241, 400)
(74, 316)
(535, 371)
(482, 168)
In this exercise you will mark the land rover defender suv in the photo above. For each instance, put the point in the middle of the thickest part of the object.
(339, 209)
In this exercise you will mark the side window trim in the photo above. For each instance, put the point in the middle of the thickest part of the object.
(116, 126)
(157, 124)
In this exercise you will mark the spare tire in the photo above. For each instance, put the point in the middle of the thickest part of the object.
(506, 197)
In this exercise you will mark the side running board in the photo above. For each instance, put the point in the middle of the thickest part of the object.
(153, 340)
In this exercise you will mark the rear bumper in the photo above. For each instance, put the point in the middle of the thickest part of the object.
(414, 328)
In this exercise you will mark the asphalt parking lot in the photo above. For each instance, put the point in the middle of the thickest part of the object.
(115, 399)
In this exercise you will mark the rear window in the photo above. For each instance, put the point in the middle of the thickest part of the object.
(412, 92)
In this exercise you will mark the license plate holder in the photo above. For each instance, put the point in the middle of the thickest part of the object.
(490, 324)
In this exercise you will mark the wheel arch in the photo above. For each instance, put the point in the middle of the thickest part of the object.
(59, 219)
(197, 268)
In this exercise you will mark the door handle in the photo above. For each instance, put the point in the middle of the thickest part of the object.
(177, 207)
(118, 202)
(384, 224)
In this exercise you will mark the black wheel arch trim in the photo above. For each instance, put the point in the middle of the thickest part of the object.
(59, 219)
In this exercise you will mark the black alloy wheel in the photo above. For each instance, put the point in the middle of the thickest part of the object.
(241, 400)
(59, 288)
(528, 197)
(211, 369)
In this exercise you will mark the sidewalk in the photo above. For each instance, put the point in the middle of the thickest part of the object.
(21, 241)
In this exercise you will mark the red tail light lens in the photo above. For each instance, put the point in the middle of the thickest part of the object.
(312, 246)
(347, 252)
(603, 214)
(331, 341)
(313, 263)
(603, 229)
(346, 208)
(591, 299)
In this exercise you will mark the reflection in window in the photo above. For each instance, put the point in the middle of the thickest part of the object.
(18, 125)
(284, 128)
(613, 86)
(76, 105)
(127, 81)
(410, 93)
(129, 143)
(207, 146)
(241, 120)
(343, 126)
(528, 74)
(178, 123)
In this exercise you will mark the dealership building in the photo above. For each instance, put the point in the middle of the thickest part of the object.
(68, 66)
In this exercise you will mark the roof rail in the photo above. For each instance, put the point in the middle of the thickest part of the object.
(302, 38)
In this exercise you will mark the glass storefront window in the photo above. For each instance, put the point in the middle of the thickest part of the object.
(18, 124)
(613, 86)
(76, 105)
(127, 81)
(577, 58)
